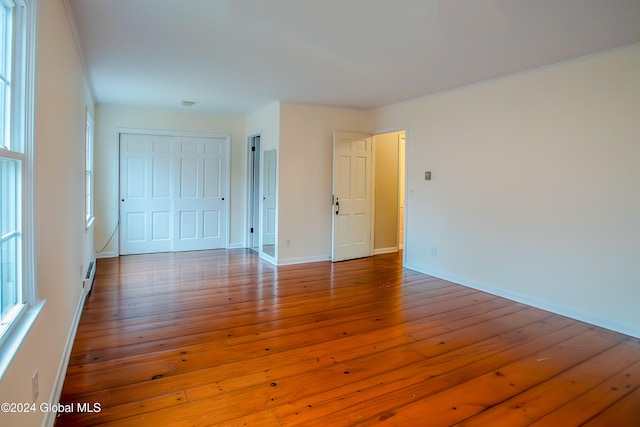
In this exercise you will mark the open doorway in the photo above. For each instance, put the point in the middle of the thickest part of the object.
(254, 192)
(389, 191)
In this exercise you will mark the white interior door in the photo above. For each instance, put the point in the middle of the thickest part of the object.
(269, 198)
(146, 194)
(173, 193)
(201, 186)
(351, 215)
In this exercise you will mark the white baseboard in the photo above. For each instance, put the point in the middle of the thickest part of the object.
(110, 254)
(114, 254)
(56, 391)
(385, 250)
(304, 260)
(562, 310)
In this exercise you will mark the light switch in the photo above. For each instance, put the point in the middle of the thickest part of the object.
(427, 176)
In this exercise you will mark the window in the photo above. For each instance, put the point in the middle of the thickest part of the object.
(18, 300)
(88, 174)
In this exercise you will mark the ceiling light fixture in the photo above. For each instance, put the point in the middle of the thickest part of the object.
(187, 103)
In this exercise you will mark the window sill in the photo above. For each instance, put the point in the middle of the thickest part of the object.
(17, 335)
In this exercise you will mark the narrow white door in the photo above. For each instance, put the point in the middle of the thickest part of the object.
(351, 196)
(201, 193)
(269, 198)
(146, 194)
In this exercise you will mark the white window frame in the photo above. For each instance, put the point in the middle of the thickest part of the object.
(18, 145)
(89, 174)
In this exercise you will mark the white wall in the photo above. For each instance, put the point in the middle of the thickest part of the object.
(535, 192)
(64, 247)
(108, 121)
(266, 122)
(305, 165)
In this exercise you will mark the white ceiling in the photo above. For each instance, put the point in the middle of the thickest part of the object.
(235, 56)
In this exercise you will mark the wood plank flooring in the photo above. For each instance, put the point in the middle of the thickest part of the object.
(224, 338)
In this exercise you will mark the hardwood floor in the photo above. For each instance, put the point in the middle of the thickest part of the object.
(224, 338)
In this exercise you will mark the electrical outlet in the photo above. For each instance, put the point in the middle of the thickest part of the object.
(434, 251)
(288, 243)
(35, 387)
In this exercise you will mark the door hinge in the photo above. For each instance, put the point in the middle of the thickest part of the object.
(251, 229)
(253, 148)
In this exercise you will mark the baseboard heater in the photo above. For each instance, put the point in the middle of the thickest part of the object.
(87, 282)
